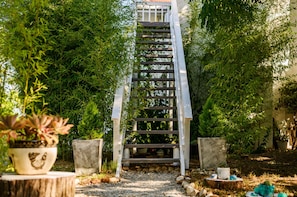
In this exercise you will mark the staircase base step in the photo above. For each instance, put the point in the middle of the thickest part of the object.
(149, 160)
(155, 119)
(156, 132)
(151, 145)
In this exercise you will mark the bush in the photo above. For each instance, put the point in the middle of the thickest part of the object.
(91, 126)
(212, 121)
(288, 95)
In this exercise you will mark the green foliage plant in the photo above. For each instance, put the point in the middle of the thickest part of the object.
(109, 167)
(197, 42)
(288, 96)
(91, 126)
(244, 55)
(4, 161)
(89, 57)
(24, 33)
(63, 53)
(211, 121)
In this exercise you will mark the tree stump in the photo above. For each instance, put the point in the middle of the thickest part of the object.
(224, 184)
(52, 184)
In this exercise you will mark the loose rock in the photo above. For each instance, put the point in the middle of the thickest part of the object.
(203, 193)
(185, 184)
(191, 191)
(179, 179)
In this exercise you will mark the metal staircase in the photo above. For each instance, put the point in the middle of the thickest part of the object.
(155, 96)
(154, 125)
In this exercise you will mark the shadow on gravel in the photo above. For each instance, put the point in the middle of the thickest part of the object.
(149, 184)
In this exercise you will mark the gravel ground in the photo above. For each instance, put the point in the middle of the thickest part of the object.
(134, 184)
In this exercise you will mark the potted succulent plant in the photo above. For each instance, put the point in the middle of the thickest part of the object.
(32, 141)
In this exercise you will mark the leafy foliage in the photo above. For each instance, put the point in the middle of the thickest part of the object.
(91, 126)
(229, 14)
(25, 31)
(243, 52)
(65, 53)
(288, 97)
(211, 121)
(89, 58)
(196, 50)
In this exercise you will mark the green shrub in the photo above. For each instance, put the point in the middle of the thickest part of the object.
(288, 95)
(212, 121)
(91, 126)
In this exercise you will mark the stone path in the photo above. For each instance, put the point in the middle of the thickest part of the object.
(136, 184)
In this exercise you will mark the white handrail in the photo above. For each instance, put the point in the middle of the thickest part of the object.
(123, 94)
(184, 108)
(181, 62)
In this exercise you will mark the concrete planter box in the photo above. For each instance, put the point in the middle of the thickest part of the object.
(87, 156)
(212, 152)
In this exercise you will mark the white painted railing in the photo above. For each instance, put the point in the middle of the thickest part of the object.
(182, 89)
(121, 99)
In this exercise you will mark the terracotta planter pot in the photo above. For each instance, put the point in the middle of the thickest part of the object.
(33, 159)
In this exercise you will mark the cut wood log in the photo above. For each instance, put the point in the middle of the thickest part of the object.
(53, 184)
(224, 184)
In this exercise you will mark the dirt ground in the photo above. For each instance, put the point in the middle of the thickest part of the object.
(280, 168)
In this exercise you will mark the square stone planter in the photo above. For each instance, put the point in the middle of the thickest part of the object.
(212, 152)
(87, 156)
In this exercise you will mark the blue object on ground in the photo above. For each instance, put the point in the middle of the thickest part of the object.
(264, 190)
(282, 195)
(233, 177)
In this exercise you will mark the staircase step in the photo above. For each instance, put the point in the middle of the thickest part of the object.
(154, 42)
(157, 49)
(160, 108)
(156, 56)
(155, 119)
(160, 97)
(162, 132)
(150, 160)
(151, 145)
(156, 88)
(151, 31)
(153, 79)
(157, 71)
(165, 36)
(154, 24)
(156, 63)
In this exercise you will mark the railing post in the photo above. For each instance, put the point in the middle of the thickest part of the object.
(116, 118)
(187, 141)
